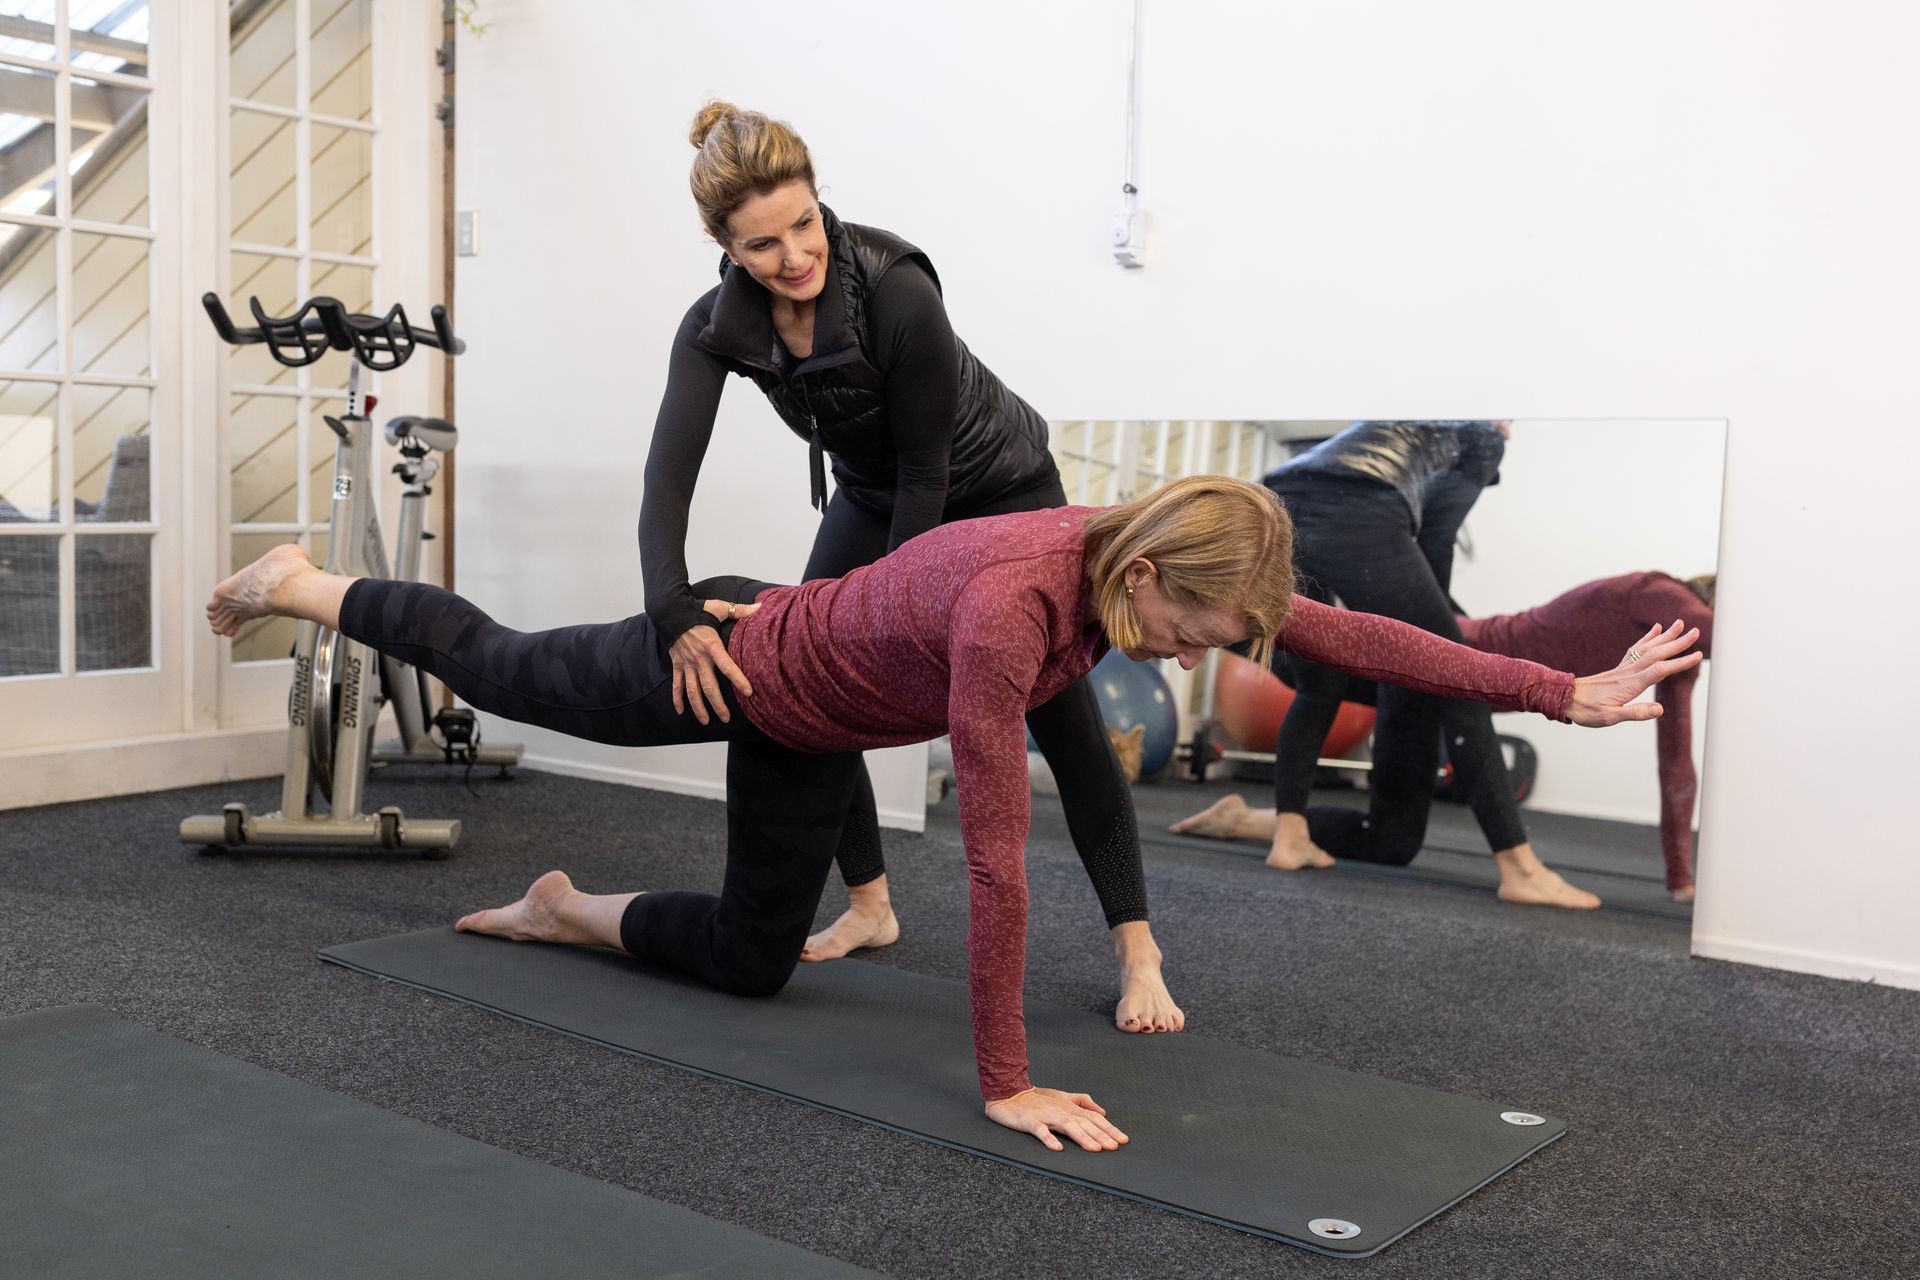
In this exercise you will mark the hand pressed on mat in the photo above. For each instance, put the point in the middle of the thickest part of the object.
(1042, 1111)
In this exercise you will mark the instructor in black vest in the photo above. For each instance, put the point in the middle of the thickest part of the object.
(843, 329)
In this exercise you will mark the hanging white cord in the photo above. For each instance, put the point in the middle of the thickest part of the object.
(1126, 224)
(1133, 74)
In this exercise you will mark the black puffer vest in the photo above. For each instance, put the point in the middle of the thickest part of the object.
(836, 398)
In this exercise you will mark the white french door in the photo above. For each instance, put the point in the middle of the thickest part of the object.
(150, 151)
(89, 409)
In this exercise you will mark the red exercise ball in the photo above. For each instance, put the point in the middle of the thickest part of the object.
(1251, 702)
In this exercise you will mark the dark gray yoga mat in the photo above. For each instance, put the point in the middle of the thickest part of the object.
(1246, 1139)
(128, 1153)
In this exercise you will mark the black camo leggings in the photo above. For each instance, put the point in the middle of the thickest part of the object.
(613, 683)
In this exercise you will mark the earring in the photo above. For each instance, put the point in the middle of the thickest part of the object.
(1129, 593)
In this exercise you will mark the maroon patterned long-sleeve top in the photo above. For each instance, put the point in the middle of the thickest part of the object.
(1589, 629)
(962, 631)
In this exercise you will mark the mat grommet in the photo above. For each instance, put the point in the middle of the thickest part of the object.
(1521, 1117)
(1333, 1229)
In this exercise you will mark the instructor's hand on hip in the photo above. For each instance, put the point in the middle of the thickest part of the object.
(1043, 1112)
(1601, 700)
(700, 659)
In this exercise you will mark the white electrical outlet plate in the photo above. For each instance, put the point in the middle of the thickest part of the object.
(466, 233)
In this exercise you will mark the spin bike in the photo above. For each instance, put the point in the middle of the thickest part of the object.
(339, 685)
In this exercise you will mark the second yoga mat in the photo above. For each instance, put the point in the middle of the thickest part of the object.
(1331, 1160)
(128, 1154)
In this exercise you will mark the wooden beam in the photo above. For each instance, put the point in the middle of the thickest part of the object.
(19, 28)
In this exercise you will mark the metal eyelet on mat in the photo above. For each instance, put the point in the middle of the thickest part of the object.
(1521, 1117)
(1333, 1229)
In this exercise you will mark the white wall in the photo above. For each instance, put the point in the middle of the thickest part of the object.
(1579, 500)
(1626, 210)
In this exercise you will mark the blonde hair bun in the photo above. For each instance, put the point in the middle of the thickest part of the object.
(751, 155)
(710, 115)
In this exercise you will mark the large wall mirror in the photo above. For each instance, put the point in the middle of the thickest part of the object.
(1576, 530)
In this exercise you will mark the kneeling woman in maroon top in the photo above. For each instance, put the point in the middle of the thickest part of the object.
(963, 630)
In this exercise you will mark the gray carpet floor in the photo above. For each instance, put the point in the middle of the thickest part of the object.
(1724, 1120)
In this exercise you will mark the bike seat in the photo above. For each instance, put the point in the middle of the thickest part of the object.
(435, 433)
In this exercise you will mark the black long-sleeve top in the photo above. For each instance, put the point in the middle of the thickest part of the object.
(908, 338)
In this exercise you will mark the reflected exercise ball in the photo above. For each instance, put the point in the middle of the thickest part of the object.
(1251, 702)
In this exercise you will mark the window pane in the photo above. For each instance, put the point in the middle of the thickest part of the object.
(109, 162)
(113, 601)
(265, 466)
(342, 191)
(112, 465)
(111, 326)
(342, 58)
(262, 191)
(110, 35)
(26, 29)
(29, 324)
(27, 165)
(273, 281)
(29, 444)
(352, 285)
(261, 40)
(263, 638)
(29, 606)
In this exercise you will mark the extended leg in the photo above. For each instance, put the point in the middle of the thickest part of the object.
(608, 682)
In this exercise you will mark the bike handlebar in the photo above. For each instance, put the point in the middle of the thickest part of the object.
(324, 324)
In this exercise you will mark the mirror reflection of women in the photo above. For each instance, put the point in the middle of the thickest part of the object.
(1376, 509)
(1580, 629)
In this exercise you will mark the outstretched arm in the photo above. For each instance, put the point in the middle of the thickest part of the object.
(1608, 698)
(1383, 649)
(1679, 783)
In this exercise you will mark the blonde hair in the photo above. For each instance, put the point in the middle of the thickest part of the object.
(741, 154)
(1218, 543)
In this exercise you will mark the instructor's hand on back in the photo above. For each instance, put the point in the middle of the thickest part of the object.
(1042, 1112)
(700, 659)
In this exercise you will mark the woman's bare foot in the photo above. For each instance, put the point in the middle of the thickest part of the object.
(867, 922)
(257, 590)
(1525, 880)
(1293, 848)
(1145, 1005)
(541, 916)
(1683, 895)
(1228, 818)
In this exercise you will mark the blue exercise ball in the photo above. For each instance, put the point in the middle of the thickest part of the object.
(1134, 693)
